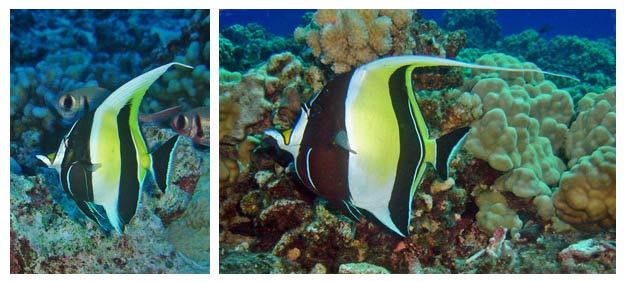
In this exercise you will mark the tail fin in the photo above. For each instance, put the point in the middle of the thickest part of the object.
(446, 147)
(161, 162)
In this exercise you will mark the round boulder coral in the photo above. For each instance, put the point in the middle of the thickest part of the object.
(586, 196)
(593, 127)
(494, 212)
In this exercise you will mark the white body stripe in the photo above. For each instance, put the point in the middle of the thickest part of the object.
(420, 160)
(105, 151)
(348, 205)
(308, 169)
(435, 61)
(120, 97)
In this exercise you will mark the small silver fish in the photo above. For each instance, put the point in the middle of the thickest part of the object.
(194, 124)
(164, 114)
(74, 104)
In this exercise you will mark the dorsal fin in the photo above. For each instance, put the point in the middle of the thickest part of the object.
(446, 147)
(135, 88)
(390, 64)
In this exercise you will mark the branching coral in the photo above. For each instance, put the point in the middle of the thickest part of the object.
(346, 39)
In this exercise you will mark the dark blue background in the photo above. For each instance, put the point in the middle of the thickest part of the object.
(592, 24)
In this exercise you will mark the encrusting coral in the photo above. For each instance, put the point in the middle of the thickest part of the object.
(195, 223)
(275, 87)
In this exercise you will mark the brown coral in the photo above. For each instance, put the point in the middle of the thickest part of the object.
(593, 127)
(346, 39)
(246, 104)
(586, 196)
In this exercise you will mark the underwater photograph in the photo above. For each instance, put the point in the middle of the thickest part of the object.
(109, 140)
(417, 141)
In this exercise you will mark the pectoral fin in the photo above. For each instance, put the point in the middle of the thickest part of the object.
(343, 141)
(79, 180)
(46, 160)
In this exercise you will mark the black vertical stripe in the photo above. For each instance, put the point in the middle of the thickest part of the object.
(327, 162)
(198, 125)
(161, 160)
(77, 153)
(77, 156)
(129, 186)
(411, 150)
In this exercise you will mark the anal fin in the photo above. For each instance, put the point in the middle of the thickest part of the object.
(446, 147)
(93, 213)
(161, 162)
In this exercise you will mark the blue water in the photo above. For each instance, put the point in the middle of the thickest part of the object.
(592, 24)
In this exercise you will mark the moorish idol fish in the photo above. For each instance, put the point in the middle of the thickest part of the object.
(76, 103)
(194, 124)
(103, 160)
(362, 142)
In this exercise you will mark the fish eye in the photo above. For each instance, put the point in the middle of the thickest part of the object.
(67, 102)
(180, 121)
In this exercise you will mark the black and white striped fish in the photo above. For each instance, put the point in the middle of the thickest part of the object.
(362, 142)
(103, 160)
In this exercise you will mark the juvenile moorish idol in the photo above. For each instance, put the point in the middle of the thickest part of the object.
(76, 103)
(103, 160)
(194, 124)
(362, 142)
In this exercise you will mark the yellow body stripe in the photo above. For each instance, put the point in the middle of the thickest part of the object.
(366, 131)
(105, 151)
(144, 158)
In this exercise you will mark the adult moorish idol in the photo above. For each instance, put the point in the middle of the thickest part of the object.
(362, 142)
(103, 160)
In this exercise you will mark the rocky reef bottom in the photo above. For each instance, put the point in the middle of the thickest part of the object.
(168, 234)
(549, 253)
